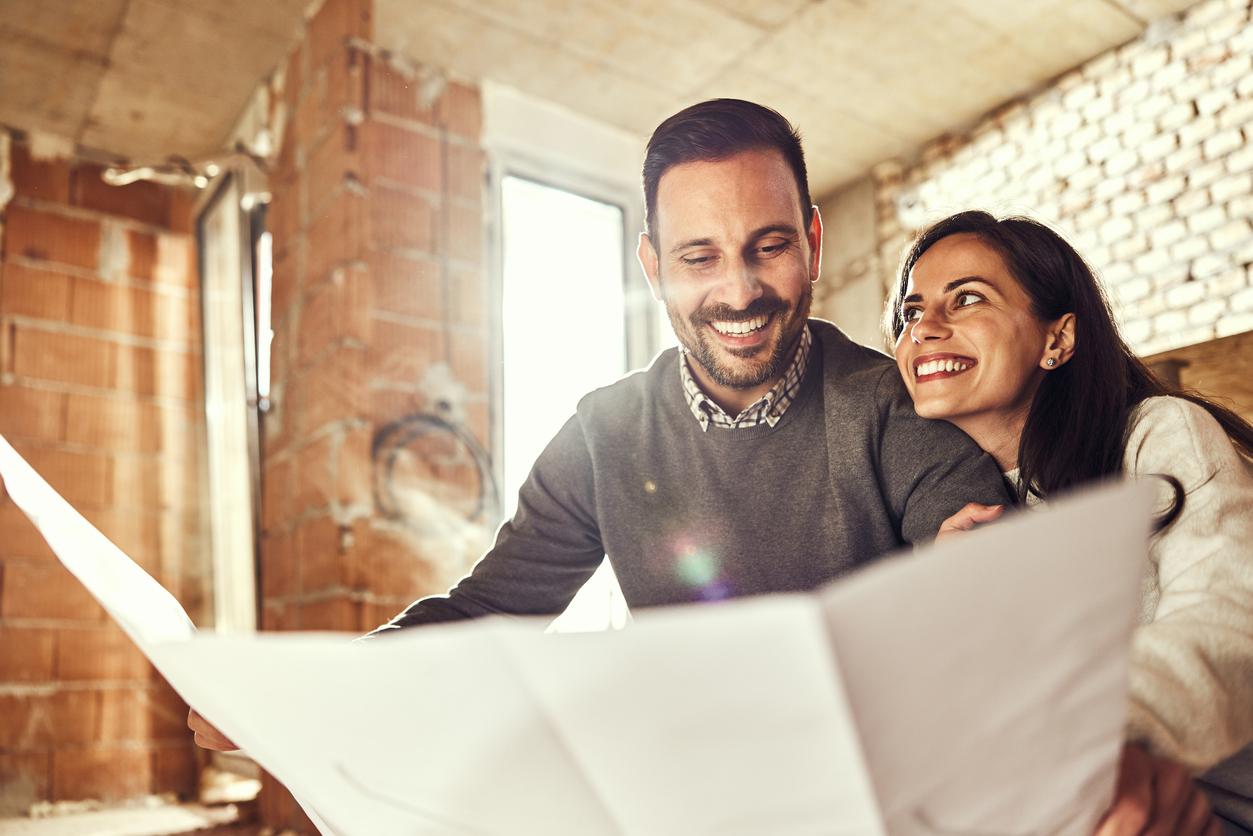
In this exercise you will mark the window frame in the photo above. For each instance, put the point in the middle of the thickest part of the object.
(641, 329)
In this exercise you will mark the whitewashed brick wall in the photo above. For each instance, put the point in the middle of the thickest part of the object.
(1143, 158)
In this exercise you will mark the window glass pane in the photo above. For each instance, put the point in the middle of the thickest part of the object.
(563, 314)
(564, 334)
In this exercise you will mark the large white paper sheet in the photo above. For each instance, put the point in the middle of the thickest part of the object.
(975, 687)
(988, 676)
(141, 606)
(498, 728)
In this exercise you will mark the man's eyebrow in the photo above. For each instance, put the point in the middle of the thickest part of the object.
(774, 229)
(948, 288)
(768, 229)
(691, 242)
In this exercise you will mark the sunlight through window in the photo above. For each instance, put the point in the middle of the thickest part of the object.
(564, 334)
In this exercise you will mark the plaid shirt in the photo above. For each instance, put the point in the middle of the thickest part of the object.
(767, 409)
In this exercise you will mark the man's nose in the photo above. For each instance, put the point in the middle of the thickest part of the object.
(740, 287)
(930, 325)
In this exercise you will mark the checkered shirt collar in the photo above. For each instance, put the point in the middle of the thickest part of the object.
(768, 409)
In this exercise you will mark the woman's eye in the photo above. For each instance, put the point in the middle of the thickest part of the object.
(965, 299)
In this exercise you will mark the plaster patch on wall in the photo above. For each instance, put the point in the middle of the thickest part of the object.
(445, 393)
(46, 147)
(114, 252)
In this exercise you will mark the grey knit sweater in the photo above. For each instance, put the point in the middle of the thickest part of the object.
(849, 473)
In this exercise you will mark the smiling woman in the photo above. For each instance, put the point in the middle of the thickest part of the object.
(976, 352)
(1002, 329)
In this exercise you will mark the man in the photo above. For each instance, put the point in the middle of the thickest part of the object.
(768, 454)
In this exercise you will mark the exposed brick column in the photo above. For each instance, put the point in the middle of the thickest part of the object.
(100, 391)
(379, 311)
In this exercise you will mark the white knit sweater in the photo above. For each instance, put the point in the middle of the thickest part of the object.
(1192, 657)
(1192, 661)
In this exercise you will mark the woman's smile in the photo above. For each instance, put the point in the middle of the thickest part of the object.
(939, 366)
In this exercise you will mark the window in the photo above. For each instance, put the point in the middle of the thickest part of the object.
(564, 332)
(563, 314)
(575, 312)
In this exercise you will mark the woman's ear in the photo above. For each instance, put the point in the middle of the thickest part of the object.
(1060, 346)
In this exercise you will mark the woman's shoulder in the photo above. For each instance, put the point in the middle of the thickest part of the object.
(1168, 434)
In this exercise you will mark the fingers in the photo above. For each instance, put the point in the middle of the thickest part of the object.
(1132, 807)
(206, 735)
(1173, 789)
(968, 517)
(1198, 818)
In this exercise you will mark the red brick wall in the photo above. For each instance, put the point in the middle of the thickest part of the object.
(99, 389)
(379, 289)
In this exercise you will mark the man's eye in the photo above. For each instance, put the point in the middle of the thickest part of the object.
(768, 250)
(910, 314)
(696, 260)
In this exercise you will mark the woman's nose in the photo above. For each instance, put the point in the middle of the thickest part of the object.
(929, 326)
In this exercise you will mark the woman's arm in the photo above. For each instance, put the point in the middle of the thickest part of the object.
(1192, 663)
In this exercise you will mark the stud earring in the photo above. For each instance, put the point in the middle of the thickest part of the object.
(1051, 362)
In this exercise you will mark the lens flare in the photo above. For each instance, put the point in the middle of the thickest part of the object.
(697, 567)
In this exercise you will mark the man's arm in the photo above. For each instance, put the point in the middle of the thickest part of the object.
(929, 470)
(541, 557)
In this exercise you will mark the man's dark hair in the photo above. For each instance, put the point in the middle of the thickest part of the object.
(714, 130)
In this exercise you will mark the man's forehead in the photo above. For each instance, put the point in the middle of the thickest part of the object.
(755, 186)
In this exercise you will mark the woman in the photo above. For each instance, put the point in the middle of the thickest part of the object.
(1002, 329)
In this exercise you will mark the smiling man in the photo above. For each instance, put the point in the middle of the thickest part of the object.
(768, 454)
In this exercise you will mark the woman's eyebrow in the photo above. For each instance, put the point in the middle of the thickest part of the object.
(955, 283)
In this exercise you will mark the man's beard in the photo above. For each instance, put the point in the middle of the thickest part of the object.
(745, 373)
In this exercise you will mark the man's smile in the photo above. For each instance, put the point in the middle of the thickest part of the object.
(740, 328)
(742, 334)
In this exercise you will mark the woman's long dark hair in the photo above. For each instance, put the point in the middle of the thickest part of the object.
(1077, 425)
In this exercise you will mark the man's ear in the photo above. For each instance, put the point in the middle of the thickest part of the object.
(1061, 341)
(815, 244)
(647, 255)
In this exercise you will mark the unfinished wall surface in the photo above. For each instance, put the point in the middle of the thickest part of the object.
(1142, 157)
(379, 313)
(100, 391)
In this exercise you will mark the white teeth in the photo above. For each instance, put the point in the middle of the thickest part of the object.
(934, 366)
(740, 328)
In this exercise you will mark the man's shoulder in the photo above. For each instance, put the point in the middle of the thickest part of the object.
(630, 392)
(852, 370)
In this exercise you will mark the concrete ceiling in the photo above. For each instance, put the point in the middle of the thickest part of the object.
(143, 79)
(864, 80)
